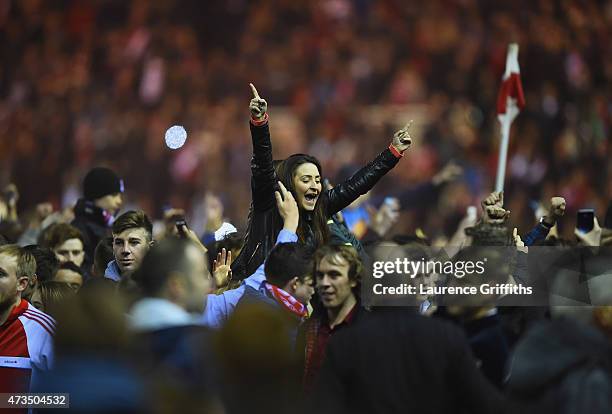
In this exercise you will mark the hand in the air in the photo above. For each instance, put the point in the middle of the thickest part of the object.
(258, 106)
(383, 219)
(494, 199)
(495, 215)
(222, 268)
(557, 207)
(518, 242)
(450, 172)
(402, 139)
(555, 211)
(190, 234)
(287, 208)
(494, 212)
(592, 238)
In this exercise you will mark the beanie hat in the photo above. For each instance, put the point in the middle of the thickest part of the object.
(100, 182)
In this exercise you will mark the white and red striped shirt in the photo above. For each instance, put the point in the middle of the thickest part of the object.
(26, 347)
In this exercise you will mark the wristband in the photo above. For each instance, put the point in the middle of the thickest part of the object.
(261, 121)
(395, 152)
(545, 225)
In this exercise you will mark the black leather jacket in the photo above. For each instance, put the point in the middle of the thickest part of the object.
(265, 222)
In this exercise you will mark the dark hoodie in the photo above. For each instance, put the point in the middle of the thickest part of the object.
(94, 223)
(562, 367)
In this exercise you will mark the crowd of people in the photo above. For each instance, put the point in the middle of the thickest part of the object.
(100, 82)
(277, 319)
(230, 276)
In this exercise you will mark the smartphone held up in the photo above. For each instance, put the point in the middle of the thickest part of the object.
(585, 220)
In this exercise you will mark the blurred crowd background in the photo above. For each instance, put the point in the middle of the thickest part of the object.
(85, 83)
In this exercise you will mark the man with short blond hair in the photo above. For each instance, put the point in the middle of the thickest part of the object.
(29, 269)
(26, 334)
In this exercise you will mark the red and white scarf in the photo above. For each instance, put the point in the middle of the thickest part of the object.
(287, 301)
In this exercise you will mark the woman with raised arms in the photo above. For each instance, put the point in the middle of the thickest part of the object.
(301, 174)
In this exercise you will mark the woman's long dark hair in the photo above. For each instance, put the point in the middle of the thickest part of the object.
(285, 171)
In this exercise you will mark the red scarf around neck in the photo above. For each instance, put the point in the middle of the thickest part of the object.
(287, 301)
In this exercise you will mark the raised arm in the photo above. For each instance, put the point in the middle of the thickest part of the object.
(363, 180)
(288, 210)
(219, 307)
(547, 222)
(262, 168)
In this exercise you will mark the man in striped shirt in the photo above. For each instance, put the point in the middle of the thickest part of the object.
(26, 334)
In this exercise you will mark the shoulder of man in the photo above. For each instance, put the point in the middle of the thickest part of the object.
(252, 295)
(39, 329)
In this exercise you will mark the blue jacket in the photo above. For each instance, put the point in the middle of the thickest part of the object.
(112, 271)
(219, 307)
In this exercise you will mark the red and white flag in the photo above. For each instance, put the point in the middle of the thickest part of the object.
(510, 100)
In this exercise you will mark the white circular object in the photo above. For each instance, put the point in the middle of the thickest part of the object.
(176, 137)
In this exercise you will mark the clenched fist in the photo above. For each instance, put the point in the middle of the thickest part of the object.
(555, 211)
(494, 199)
(494, 212)
(495, 215)
(557, 207)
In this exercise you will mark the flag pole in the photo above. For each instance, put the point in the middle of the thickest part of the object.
(509, 103)
(503, 154)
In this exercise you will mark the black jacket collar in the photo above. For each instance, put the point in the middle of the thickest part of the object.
(87, 209)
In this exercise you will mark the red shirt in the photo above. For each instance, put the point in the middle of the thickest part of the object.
(26, 347)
